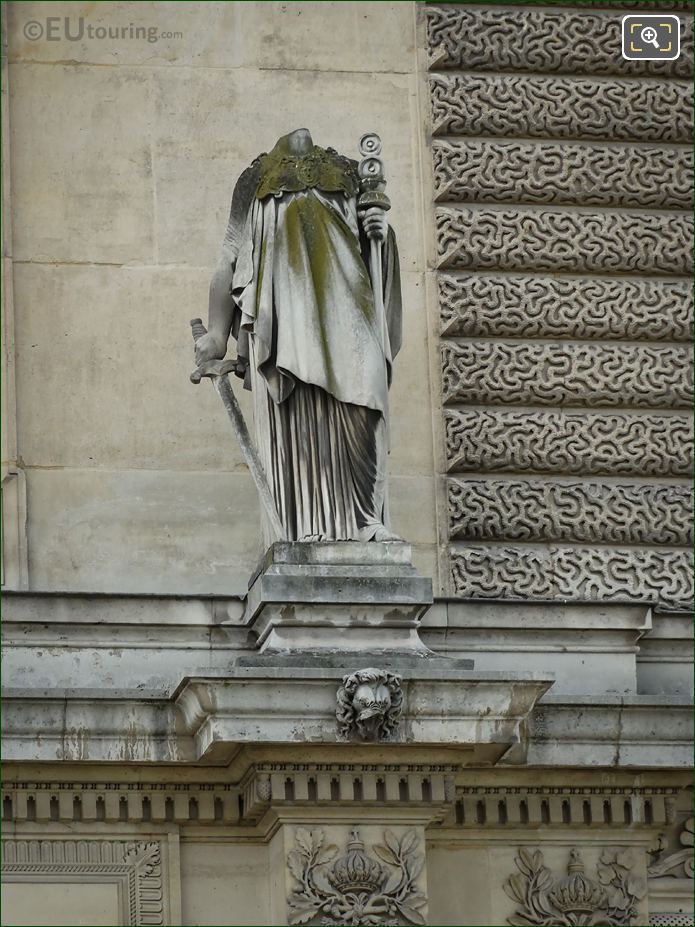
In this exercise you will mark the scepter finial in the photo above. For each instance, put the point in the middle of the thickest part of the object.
(371, 173)
(370, 145)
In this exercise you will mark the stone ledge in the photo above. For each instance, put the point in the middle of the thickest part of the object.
(590, 647)
(96, 725)
(641, 730)
(594, 648)
(665, 658)
(474, 717)
(103, 609)
(456, 717)
(478, 714)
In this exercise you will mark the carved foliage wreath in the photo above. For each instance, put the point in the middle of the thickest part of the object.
(356, 889)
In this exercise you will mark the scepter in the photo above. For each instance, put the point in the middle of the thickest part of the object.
(373, 184)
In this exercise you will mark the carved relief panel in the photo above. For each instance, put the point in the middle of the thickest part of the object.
(609, 894)
(135, 868)
(363, 875)
(563, 233)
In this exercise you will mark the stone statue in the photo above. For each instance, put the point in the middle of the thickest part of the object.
(293, 287)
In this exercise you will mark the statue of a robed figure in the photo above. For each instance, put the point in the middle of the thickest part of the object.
(308, 284)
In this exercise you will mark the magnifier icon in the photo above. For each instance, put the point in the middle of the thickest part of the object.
(648, 36)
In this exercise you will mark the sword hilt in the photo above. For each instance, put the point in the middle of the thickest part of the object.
(198, 329)
(211, 368)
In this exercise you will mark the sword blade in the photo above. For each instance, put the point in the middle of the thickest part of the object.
(248, 449)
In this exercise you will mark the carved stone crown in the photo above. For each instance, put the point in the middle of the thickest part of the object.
(577, 893)
(356, 872)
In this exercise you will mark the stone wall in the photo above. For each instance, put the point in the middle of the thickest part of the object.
(562, 190)
(146, 744)
(139, 849)
(560, 300)
(123, 157)
(158, 770)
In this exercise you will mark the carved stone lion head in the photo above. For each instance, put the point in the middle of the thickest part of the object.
(369, 705)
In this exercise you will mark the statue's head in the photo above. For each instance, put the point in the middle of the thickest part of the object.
(369, 703)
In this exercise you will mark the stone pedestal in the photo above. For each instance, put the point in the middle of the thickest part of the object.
(340, 596)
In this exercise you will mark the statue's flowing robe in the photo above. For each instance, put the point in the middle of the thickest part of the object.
(315, 355)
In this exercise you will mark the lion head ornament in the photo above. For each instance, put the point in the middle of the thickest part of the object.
(369, 705)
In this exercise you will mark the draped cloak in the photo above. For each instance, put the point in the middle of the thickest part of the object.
(314, 353)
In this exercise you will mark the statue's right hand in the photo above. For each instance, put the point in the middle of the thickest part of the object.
(209, 347)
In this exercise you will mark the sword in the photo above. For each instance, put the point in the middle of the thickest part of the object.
(373, 184)
(217, 370)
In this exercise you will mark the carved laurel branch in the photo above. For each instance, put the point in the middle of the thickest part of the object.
(382, 898)
(676, 864)
(576, 899)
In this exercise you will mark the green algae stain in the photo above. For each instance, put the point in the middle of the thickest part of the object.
(261, 270)
(311, 228)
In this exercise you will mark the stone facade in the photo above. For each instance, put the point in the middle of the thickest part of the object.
(183, 749)
(551, 341)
